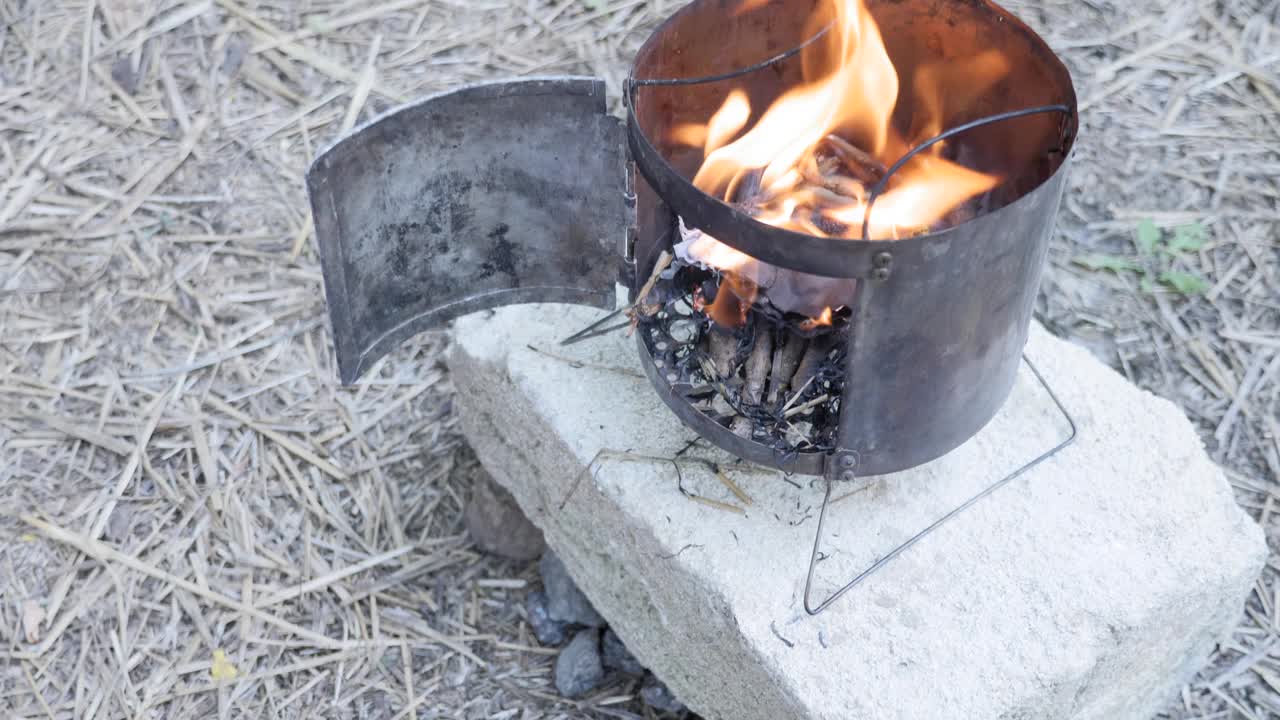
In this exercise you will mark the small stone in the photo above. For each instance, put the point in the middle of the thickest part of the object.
(550, 633)
(565, 602)
(237, 48)
(579, 669)
(496, 523)
(123, 72)
(118, 523)
(658, 696)
(618, 657)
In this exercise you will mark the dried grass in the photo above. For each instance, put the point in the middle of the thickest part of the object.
(181, 475)
(1182, 124)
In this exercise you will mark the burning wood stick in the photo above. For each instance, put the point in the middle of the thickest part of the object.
(721, 347)
(758, 364)
(638, 308)
(855, 161)
(831, 187)
(720, 404)
(797, 395)
(807, 406)
(757, 372)
(664, 260)
(811, 362)
(786, 358)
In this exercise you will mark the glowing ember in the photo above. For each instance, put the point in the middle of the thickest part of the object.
(808, 162)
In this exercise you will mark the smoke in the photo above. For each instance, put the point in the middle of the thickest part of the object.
(787, 290)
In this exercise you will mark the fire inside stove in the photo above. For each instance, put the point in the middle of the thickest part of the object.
(832, 217)
(758, 348)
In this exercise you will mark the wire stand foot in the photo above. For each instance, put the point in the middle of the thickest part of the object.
(810, 608)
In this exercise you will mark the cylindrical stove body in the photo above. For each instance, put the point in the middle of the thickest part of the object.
(940, 319)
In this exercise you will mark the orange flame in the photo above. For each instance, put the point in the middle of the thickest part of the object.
(809, 161)
(823, 320)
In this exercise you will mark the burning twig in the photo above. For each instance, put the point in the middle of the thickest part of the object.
(831, 187)
(721, 403)
(799, 394)
(855, 161)
(758, 366)
(638, 308)
(807, 406)
(722, 348)
(812, 361)
(757, 372)
(664, 260)
(786, 358)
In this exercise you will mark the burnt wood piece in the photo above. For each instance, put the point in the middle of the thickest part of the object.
(758, 364)
(786, 358)
(723, 349)
(811, 362)
(854, 161)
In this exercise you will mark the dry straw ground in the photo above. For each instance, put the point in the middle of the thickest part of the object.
(196, 521)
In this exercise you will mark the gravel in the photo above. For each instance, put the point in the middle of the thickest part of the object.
(496, 523)
(550, 633)
(565, 602)
(618, 657)
(656, 695)
(579, 669)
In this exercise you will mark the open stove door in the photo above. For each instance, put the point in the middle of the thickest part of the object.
(493, 194)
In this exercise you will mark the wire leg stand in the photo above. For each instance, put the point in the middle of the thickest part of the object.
(810, 608)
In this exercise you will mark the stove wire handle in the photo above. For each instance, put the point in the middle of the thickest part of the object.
(816, 556)
(632, 82)
(880, 186)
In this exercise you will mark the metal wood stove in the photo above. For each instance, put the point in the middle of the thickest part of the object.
(527, 191)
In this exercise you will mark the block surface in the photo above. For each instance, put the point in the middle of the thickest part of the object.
(1091, 587)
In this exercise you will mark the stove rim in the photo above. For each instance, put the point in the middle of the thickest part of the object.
(824, 256)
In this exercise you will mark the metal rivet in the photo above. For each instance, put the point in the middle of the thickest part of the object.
(848, 461)
(848, 476)
(880, 274)
(883, 260)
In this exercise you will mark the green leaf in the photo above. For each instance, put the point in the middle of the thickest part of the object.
(1188, 238)
(1148, 236)
(1146, 285)
(1098, 261)
(1184, 282)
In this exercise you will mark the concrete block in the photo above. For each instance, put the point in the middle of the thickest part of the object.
(1089, 588)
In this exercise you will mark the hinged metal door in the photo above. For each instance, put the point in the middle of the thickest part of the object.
(488, 195)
